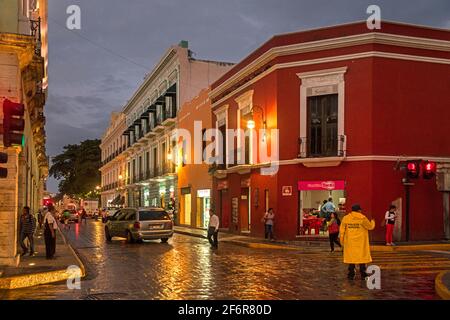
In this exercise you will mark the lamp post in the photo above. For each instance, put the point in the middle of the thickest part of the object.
(251, 123)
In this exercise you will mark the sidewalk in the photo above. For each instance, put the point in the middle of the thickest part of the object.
(38, 270)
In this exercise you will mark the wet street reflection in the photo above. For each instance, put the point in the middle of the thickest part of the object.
(187, 268)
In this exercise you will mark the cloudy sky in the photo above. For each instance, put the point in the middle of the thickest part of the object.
(95, 70)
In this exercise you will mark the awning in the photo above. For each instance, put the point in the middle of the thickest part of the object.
(116, 200)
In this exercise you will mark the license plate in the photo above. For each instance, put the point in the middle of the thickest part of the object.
(157, 226)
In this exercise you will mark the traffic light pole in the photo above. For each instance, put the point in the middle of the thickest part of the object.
(407, 209)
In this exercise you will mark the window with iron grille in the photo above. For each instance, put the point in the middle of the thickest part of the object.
(322, 122)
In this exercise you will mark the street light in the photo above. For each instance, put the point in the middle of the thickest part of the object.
(169, 155)
(120, 177)
(251, 123)
(97, 188)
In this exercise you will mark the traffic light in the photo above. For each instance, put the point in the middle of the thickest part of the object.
(13, 123)
(413, 169)
(3, 159)
(429, 169)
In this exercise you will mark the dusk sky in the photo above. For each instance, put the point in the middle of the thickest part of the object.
(95, 70)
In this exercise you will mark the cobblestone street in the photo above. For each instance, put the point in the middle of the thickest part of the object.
(187, 268)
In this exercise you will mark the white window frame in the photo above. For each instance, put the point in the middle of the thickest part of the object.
(245, 106)
(221, 116)
(317, 83)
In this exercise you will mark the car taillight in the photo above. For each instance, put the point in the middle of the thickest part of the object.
(137, 225)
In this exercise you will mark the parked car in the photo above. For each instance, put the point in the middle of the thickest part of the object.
(140, 224)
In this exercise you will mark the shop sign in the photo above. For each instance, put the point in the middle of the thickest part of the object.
(205, 193)
(221, 185)
(321, 185)
(186, 190)
(286, 191)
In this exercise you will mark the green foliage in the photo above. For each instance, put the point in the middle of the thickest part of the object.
(77, 168)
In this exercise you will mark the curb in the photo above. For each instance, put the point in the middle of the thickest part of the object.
(417, 247)
(190, 234)
(260, 245)
(440, 287)
(34, 279)
(80, 263)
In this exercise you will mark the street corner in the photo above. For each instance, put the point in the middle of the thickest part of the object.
(442, 285)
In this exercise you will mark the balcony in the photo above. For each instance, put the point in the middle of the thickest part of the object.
(324, 153)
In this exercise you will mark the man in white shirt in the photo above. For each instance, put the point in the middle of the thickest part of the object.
(50, 227)
(213, 229)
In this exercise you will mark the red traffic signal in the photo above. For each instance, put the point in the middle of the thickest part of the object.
(3, 159)
(429, 169)
(13, 123)
(413, 169)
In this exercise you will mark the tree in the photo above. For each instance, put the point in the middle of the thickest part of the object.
(77, 168)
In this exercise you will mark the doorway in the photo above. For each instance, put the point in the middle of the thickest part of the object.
(244, 210)
(187, 209)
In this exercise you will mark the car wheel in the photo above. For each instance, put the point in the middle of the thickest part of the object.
(164, 240)
(107, 234)
(130, 238)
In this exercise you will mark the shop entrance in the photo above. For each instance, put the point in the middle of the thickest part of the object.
(186, 209)
(311, 197)
(203, 206)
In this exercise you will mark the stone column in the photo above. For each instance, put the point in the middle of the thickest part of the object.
(9, 210)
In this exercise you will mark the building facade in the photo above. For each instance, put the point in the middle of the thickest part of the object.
(113, 170)
(194, 180)
(350, 106)
(151, 121)
(23, 79)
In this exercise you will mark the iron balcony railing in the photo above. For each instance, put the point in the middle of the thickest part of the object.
(332, 147)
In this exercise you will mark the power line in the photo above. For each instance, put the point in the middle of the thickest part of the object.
(110, 51)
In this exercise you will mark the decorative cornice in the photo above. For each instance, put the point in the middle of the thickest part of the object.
(361, 55)
(327, 44)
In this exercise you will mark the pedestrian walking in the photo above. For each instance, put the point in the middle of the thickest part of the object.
(213, 229)
(84, 216)
(50, 227)
(27, 228)
(66, 218)
(354, 236)
(389, 218)
(268, 220)
(333, 230)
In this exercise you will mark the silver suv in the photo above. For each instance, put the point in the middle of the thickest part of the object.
(140, 224)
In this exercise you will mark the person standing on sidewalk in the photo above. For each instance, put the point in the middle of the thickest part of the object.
(50, 227)
(390, 223)
(27, 228)
(268, 218)
(333, 230)
(354, 237)
(213, 229)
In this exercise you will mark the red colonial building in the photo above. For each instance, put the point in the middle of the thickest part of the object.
(351, 106)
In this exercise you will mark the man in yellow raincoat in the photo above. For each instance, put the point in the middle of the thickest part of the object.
(354, 236)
